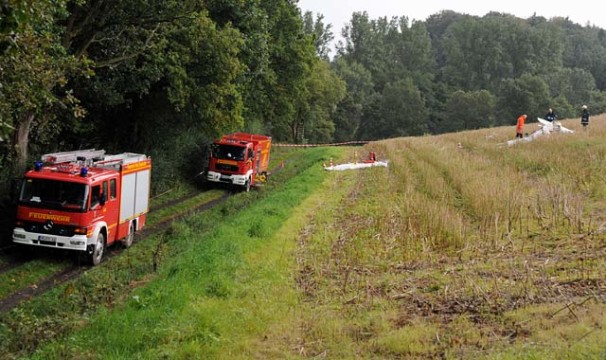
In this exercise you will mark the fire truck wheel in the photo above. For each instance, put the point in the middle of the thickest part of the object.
(97, 255)
(247, 185)
(128, 240)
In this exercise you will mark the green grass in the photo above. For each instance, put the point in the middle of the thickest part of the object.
(27, 275)
(183, 207)
(214, 298)
(66, 309)
(173, 193)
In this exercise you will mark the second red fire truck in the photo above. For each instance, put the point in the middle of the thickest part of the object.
(239, 159)
(83, 201)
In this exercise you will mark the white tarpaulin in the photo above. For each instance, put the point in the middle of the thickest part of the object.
(351, 166)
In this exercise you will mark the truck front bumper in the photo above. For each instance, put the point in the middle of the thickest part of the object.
(229, 179)
(76, 242)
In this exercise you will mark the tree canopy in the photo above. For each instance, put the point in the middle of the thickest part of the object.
(158, 75)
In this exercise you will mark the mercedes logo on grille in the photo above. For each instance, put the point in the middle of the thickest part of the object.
(48, 225)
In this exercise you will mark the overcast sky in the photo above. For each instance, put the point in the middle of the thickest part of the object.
(338, 12)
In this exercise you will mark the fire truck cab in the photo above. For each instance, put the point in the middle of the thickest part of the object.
(239, 159)
(83, 201)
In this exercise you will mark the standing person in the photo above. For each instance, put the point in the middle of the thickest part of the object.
(551, 116)
(585, 117)
(520, 126)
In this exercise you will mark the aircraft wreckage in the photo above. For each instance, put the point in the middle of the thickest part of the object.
(545, 127)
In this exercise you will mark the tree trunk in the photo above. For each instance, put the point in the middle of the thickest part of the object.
(21, 142)
(297, 129)
(294, 130)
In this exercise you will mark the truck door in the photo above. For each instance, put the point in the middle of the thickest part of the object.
(111, 208)
(104, 205)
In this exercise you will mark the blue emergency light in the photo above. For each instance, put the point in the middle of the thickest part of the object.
(84, 171)
(38, 165)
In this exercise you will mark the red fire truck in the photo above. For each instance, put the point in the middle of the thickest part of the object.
(84, 201)
(239, 159)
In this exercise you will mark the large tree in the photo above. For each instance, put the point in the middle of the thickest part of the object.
(469, 110)
(585, 48)
(292, 55)
(321, 33)
(399, 111)
(326, 91)
(574, 84)
(398, 56)
(526, 95)
(139, 46)
(360, 88)
(253, 23)
(34, 69)
(479, 52)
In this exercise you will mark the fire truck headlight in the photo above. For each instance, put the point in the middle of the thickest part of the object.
(76, 242)
(19, 236)
(80, 230)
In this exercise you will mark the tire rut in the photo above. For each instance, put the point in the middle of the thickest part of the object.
(42, 287)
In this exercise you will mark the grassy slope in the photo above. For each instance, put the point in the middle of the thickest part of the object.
(484, 251)
(220, 292)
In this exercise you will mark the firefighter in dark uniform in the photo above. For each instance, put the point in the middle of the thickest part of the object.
(585, 117)
(551, 116)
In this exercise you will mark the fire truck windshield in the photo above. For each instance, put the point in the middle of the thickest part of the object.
(53, 194)
(229, 152)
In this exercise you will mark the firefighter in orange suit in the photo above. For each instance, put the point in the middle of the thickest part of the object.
(520, 126)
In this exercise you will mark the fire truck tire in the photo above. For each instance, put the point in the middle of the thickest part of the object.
(128, 240)
(247, 185)
(97, 255)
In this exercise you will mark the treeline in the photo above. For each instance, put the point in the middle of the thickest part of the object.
(164, 77)
(455, 72)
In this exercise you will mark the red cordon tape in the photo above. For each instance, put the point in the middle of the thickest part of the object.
(318, 145)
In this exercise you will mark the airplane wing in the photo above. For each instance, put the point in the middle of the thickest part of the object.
(563, 129)
(555, 126)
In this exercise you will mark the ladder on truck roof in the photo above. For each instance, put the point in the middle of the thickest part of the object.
(120, 159)
(72, 156)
